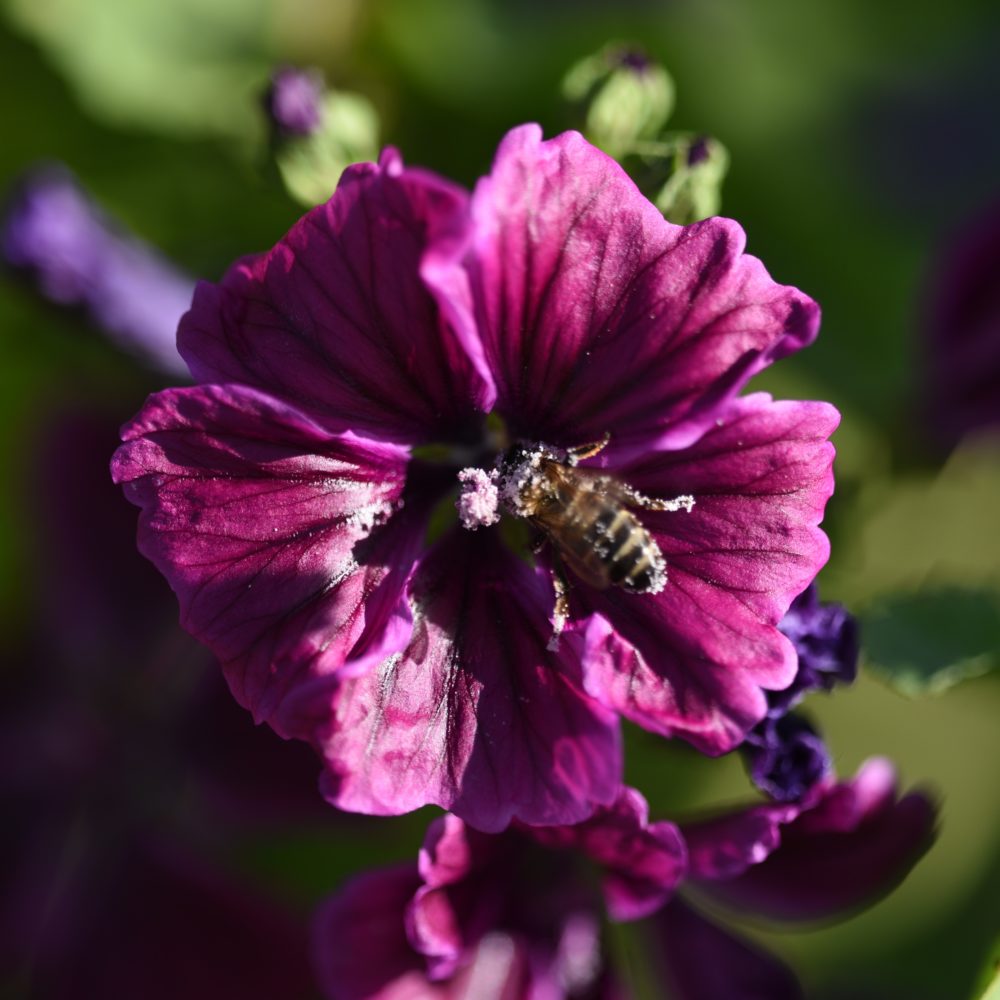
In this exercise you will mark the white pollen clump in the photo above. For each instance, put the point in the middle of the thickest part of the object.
(364, 519)
(685, 502)
(478, 502)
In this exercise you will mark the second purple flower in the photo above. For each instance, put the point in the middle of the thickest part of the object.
(300, 497)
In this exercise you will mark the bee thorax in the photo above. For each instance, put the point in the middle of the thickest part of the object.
(523, 482)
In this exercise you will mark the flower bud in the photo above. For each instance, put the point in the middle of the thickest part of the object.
(629, 97)
(293, 101)
(694, 189)
(317, 132)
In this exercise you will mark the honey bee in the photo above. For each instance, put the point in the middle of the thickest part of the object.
(587, 516)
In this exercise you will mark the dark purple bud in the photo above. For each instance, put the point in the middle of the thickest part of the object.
(826, 638)
(786, 757)
(53, 234)
(698, 151)
(294, 100)
(634, 59)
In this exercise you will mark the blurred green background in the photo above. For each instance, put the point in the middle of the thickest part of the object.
(863, 137)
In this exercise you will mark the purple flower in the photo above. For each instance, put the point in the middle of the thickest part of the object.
(785, 755)
(76, 256)
(508, 915)
(294, 100)
(963, 333)
(346, 375)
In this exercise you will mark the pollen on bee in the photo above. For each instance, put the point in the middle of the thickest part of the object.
(478, 501)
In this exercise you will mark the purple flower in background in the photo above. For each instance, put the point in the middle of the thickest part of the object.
(160, 923)
(294, 100)
(510, 915)
(345, 379)
(786, 756)
(76, 256)
(128, 771)
(962, 359)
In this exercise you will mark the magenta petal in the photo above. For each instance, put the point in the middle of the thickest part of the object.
(693, 660)
(475, 715)
(726, 846)
(337, 318)
(360, 949)
(701, 961)
(642, 862)
(459, 901)
(596, 314)
(854, 845)
(260, 518)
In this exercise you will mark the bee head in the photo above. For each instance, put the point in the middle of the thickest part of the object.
(521, 475)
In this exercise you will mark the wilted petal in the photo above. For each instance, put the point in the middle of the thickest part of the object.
(260, 518)
(701, 961)
(337, 318)
(476, 715)
(596, 314)
(642, 863)
(853, 844)
(693, 660)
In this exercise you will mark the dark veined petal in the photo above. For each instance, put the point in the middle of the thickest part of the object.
(337, 318)
(701, 961)
(642, 862)
(475, 715)
(596, 314)
(854, 843)
(692, 660)
(262, 521)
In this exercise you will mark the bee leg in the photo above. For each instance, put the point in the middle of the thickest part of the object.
(560, 610)
(636, 499)
(582, 451)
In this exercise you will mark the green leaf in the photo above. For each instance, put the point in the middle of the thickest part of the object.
(926, 642)
(185, 67)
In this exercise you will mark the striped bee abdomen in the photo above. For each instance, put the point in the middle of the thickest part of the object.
(606, 545)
